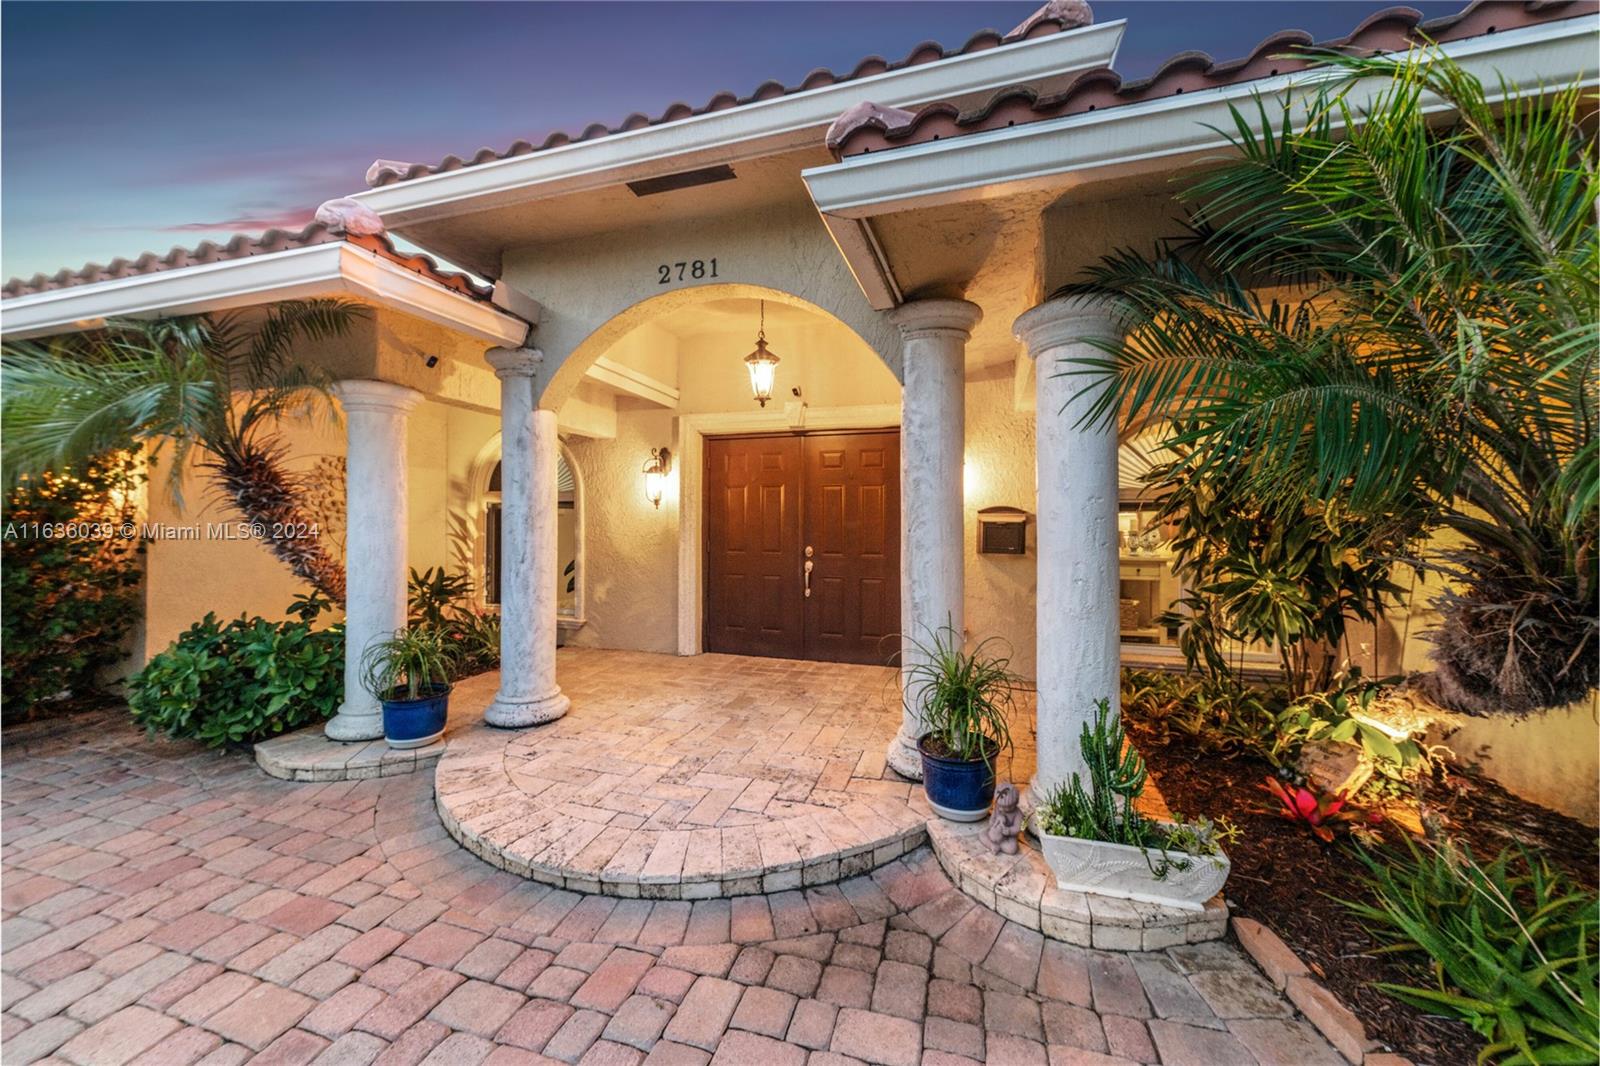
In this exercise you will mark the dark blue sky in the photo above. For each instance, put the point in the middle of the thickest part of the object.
(133, 127)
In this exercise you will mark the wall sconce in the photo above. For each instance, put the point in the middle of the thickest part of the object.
(656, 469)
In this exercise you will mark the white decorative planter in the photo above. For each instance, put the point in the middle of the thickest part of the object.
(1124, 872)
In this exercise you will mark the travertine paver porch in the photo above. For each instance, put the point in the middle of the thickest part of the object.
(689, 778)
(165, 904)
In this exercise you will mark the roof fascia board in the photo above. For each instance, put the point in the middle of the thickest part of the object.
(332, 269)
(1148, 135)
(743, 132)
(866, 259)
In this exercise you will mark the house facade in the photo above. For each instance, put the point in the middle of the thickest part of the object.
(583, 434)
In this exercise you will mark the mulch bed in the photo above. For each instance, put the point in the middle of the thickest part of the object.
(1286, 879)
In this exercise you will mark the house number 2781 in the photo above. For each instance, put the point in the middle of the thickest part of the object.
(696, 269)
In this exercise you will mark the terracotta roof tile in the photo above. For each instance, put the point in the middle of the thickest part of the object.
(244, 246)
(866, 128)
(1054, 17)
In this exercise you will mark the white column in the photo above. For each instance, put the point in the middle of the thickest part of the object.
(1078, 654)
(375, 538)
(934, 337)
(528, 692)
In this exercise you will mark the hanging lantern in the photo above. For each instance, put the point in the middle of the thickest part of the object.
(656, 469)
(762, 363)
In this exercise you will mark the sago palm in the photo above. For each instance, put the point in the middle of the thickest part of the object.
(220, 383)
(1399, 317)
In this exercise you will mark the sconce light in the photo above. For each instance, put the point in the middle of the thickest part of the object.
(762, 363)
(656, 469)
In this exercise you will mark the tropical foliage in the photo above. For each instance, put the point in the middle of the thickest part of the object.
(1319, 812)
(69, 580)
(441, 600)
(1285, 573)
(220, 383)
(963, 698)
(1394, 324)
(245, 680)
(1106, 809)
(410, 664)
(1510, 948)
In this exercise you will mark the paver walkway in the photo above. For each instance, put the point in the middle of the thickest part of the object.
(688, 778)
(164, 904)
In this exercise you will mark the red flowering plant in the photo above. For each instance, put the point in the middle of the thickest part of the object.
(1319, 812)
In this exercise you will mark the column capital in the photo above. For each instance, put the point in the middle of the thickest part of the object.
(515, 362)
(358, 394)
(1067, 319)
(924, 318)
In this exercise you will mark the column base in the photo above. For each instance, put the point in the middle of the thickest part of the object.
(904, 758)
(350, 726)
(516, 713)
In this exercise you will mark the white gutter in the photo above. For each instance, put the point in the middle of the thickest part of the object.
(1159, 134)
(732, 134)
(336, 268)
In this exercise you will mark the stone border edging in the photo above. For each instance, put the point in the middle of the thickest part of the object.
(1290, 975)
(778, 877)
(307, 755)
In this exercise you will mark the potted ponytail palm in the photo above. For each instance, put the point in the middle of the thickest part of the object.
(962, 699)
(409, 674)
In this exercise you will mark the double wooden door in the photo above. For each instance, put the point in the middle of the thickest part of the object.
(802, 541)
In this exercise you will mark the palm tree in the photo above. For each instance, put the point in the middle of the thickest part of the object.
(219, 383)
(1401, 318)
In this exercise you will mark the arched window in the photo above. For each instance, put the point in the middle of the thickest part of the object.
(567, 577)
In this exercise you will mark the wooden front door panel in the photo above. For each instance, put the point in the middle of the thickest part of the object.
(852, 526)
(767, 499)
(753, 581)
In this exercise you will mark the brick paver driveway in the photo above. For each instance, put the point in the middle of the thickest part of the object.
(164, 904)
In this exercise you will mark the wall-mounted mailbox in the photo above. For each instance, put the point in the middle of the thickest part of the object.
(1002, 531)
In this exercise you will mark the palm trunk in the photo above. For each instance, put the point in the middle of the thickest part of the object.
(255, 482)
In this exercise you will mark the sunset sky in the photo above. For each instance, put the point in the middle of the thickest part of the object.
(134, 127)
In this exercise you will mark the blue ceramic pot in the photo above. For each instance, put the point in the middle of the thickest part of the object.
(414, 723)
(958, 789)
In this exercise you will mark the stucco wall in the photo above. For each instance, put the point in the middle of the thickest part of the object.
(830, 365)
(999, 472)
(630, 548)
(187, 578)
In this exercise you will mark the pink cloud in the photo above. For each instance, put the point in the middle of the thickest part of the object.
(248, 223)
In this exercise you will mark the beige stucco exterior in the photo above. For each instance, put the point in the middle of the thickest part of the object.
(643, 306)
(602, 305)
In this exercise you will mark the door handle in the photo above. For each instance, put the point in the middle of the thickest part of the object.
(807, 572)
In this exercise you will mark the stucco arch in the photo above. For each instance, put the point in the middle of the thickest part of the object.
(593, 291)
(571, 370)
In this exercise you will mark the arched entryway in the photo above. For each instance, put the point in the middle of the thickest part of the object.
(659, 576)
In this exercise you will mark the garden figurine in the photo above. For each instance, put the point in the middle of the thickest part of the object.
(1006, 821)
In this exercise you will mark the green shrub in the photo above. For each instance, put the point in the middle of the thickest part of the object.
(442, 601)
(1511, 947)
(70, 582)
(244, 681)
(1217, 711)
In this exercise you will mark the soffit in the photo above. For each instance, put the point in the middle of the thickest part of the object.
(478, 240)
